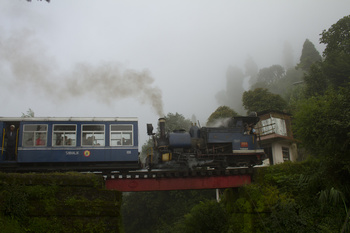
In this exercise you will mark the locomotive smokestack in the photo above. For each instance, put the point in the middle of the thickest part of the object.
(162, 127)
(162, 140)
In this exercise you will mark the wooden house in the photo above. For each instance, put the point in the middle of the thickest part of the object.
(276, 136)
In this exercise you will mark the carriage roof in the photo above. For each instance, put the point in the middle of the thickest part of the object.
(79, 119)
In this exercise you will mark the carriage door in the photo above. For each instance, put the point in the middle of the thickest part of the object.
(2, 140)
(9, 148)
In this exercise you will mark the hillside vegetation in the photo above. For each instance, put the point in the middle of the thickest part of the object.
(57, 202)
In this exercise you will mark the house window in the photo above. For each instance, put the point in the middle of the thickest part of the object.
(64, 135)
(34, 135)
(93, 135)
(285, 153)
(121, 135)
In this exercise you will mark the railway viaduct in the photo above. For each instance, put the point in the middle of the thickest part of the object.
(81, 202)
(179, 180)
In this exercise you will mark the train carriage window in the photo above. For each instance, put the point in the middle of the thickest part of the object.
(121, 135)
(34, 135)
(93, 135)
(64, 135)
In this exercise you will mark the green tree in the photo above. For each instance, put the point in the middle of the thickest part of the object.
(287, 198)
(208, 216)
(176, 121)
(316, 81)
(30, 113)
(279, 81)
(288, 85)
(323, 123)
(158, 211)
(309, 55)
(268, 77)
(261, 99)
(334, 70)
(337, 52)
(221, 112)
(337, 37)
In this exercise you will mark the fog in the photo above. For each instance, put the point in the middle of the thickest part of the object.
(147, 58)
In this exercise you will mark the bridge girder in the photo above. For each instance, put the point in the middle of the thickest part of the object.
(177, 183)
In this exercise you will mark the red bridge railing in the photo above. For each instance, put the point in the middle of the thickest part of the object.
(154, 183)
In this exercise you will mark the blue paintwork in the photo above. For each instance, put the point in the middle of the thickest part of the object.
(234, 136)
(179, 140)
(78, 153)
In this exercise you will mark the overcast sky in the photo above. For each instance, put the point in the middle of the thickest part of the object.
(142, 58)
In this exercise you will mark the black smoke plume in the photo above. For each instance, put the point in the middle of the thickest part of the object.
(25, 65)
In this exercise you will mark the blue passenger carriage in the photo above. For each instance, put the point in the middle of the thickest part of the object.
(82, 144)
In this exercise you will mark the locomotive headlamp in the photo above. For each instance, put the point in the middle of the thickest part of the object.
(166, 157)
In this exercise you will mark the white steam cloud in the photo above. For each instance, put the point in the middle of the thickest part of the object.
(220, 122)
(24, 59)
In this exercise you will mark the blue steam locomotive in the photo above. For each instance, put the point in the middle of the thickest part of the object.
(111, 144)
(232, 145)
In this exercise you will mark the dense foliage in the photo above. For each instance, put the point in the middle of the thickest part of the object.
(337, 37)
(57, 202)
(323, 123)
(334, 71)
(207, 216)
(158, 211)
(278, 81)
(221, 113)
(261, 99)
(176, 121)
(268, 77)
(288, 198)
(322, 119)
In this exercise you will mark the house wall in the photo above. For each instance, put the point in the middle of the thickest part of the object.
(277, 152)
(272, 118)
